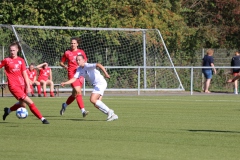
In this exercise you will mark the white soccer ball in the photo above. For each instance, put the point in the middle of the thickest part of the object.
(22, 113)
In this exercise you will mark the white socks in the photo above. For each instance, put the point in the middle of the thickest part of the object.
(83, 110)
(102, 107)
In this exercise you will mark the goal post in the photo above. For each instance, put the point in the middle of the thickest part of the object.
(131, 56)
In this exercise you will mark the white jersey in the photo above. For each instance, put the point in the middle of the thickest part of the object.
(90, 73)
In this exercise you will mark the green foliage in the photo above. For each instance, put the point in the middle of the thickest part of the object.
(186, 25)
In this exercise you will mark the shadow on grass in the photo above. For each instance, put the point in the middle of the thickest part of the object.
(216, 131)
(84, 120)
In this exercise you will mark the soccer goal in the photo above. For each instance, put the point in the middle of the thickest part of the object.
(136, 59)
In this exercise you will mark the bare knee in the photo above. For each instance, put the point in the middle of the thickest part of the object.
(93, 100)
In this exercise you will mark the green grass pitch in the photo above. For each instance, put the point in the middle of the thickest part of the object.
(149, 128)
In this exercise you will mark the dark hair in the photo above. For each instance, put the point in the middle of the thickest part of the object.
(17, 44)
(32, 64)
(80, 55)
(77, 39)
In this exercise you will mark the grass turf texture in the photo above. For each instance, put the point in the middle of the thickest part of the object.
(149, 127)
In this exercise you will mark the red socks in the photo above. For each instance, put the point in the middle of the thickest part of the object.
(15, 107)
(70, 100)
(80, 101)
(39, 89)
(35, 111)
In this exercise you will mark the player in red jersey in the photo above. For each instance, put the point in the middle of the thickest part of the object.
(70, 56)
(44, 73)
(32, 75)
(18, 82)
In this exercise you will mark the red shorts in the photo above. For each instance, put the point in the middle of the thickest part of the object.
(42, 79)
(19, 92)
(235, 74)
(78, 82)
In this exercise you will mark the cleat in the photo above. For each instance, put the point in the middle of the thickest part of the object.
(5, 113)
(85, 113)
(33, 95)
(110, 113)
(51, 95)
(39, 95)
(63, 109)
(114, 117)
(45, 121)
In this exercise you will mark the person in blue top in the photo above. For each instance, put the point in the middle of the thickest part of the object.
(208, 61)
(235, 71)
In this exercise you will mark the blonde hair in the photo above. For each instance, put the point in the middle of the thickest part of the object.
(236, 53)
(210, 52)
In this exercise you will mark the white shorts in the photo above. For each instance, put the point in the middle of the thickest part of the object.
(100, 88)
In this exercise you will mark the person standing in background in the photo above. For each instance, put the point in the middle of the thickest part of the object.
(208, 61)
(235, 71)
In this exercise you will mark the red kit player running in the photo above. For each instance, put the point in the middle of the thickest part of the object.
(70, 57)
(32, 75)
(18, 82)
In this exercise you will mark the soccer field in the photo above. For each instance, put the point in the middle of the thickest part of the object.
(149, 128)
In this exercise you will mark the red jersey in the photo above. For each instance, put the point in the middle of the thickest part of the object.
(44, 74)
(14, 70)
(31, 74)
(70, 56)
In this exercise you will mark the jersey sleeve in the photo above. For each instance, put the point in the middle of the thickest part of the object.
(77, 74)
(90, 65)
(64, 58)
(2, 63)
(23, 66)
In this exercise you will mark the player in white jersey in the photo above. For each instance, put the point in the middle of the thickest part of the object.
(91, 74)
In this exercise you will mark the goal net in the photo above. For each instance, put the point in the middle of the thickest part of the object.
(136, 59)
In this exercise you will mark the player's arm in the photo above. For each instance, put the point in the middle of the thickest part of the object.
(41, 65)
(50, 75)
(63, 59)
(69, 81)
(212, 65)
(63, 65)
(25, 76)
(103, 69)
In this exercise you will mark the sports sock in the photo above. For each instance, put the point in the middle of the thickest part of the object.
(80, 101)
(102, 107)
(52, 94)
(14, 107)
(83, 110)
(45, 94)
(70, 99)
(35, 111)
(39, 89)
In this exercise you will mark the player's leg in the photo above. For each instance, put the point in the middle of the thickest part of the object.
(17, 93)
(44, 85)
(70, 99)
(50, 83)
(38, 88)
(34, 109)
(96, 98)
(76, 94)
(79, 100)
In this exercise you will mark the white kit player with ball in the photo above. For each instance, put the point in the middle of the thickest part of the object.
(91, 74)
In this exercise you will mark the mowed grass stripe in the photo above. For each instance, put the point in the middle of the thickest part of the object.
(149, 127)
